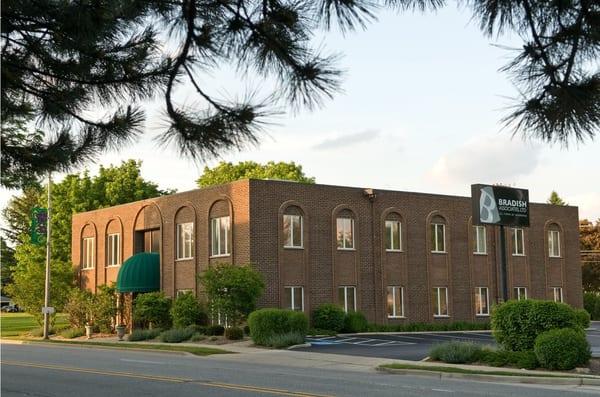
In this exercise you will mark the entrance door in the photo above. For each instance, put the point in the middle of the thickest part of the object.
(147, 241)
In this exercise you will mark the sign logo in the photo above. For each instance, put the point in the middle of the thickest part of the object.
(500, 205)
(39, 224)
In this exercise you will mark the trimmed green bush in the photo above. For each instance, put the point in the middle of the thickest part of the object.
(280, 341)
(152, 310)
(234, 333)
(143, 334)
(186, 310)
(215, 330)
(197, 337)
(266, 323)
(456, 352)
(247, 330)
(562, 349)
(501, 358)
(591, 303)
(423, 327)
(198, 329)
(176, 335)
(583, 318)
(329, 316)
(355, 322)
(516, 324)
(71, 333)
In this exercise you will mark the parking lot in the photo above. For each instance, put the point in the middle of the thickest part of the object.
(410, 346)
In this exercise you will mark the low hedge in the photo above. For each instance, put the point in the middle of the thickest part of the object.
(425, 327)
(176, 335)
(355, 322)
(583, 318)
(516, 324)
(214, 330)
(265, 324)
(329, 316)
(279, 341)
(234, 333)
(71, 333)
(143, 334)
(457, 352)
(591, 303)
(562, 349)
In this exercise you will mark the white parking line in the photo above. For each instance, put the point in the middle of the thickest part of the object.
(365, 341)
(386, 343)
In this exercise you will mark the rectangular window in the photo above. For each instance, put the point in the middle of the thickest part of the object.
(479, 240)
(440, 302)
(553, 243)
(292, 231)
(294, 298)
(185, 240)
(220, 236)
(393, 236)
(482, 301)
(347, 298)
(557, 293)
(520, 293)
(518, 242)
(113, 249)
(87, 257)
(184, 291)
(438, 237)
(345, 233)
(395, 302)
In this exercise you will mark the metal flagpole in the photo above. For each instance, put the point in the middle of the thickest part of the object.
(47, 284)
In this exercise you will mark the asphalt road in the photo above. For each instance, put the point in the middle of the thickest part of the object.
(33, 370)
(413, 346)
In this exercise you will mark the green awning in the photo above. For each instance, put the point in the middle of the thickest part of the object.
(140, 273)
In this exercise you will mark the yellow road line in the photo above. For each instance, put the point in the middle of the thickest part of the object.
(256, 389)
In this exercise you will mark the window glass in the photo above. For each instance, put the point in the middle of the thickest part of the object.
(392, 235)
(438, 239)
(220, 236)
(554, 243)
(482, 301)
(518, 242)
(558, 296)
(395, 302)
(520, 293)
(113, 249)
(185, 240)
(479, 240)
(293, 298)
(88, 253)
(347, 298)
(292, 231)
(440, 301)
(345, 233)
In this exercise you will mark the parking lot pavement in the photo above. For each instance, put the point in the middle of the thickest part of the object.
(413, 346)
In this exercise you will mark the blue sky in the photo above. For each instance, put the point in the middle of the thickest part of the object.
(421, 110)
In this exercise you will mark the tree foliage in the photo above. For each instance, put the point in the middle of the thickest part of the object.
(7, 264)
(232, 290)
(229, 172)
(589, 243)
(64, 62)
(555, 199)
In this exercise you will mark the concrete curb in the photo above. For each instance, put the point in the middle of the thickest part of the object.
(94, 346)
(299, 346)
(418, 332)
(541, 380)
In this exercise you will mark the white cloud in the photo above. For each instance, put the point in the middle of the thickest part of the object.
(347, 140)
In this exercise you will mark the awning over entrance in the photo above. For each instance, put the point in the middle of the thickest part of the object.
(140, 273)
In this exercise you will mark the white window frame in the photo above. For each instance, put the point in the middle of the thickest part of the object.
(551, 246)
(179, 255)
(300, 219)
(478, 296)
(183, 291)
(437, 305)
(560, 294)
(392, 248)
(89, 260)
(293, 289)
(516, 232)
(435, 248)
(477, 230)
(346, 287)
(395, 289)
(112, 244)
(217, 222)
(343, 247)
(518, 295)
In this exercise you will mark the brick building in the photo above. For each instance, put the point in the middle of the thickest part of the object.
(395, 256)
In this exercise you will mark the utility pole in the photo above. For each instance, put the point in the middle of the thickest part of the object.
(47, 284)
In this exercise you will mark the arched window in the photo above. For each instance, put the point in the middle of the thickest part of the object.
(438, 234)
(393, 232)
(293, 228)
(345, 230)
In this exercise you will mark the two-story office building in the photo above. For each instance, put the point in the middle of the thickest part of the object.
(395, 256)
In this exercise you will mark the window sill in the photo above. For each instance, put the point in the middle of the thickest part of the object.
(184, 259)
(480, 253)
(554, 257)
(219, 256)
(109, 266)
(393, 250)
(346, 249)
(439, 252)
(441, 316)
(291, 247)
(519, 255)
(482, 315)
(87, 268)
(396, 317)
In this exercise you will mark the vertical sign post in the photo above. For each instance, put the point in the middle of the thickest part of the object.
(500, 206)
(46, 309)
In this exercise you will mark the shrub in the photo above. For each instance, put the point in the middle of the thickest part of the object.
(104, 308)
(198, 329)
(265, 323)
(71, 333)
(247, 330)
(176, 335)
(516, 324)
(213, 338)
(456, 352)
(591, 303)
(197, 337)
(234, 333)
(501, 358)
(186, 310)
(355, 322)
(215, 330)
(152, 309)
(143, 334)
(287, 339)
(583, 318)
(562, 349)
(329, 316)
(78, 307)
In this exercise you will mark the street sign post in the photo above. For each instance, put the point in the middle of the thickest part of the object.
(500, 206)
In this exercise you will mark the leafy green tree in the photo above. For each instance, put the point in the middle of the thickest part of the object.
(7, 264)
(589, 243)
(232, 291)
(62, 60)
(555, 199)
(152, 309)
(229, 172)
(17, 213)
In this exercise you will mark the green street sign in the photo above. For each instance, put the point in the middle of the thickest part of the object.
(39, 223)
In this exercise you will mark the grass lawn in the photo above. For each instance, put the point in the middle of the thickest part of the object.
(196, 350)
(458, 370)
(16, 324)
